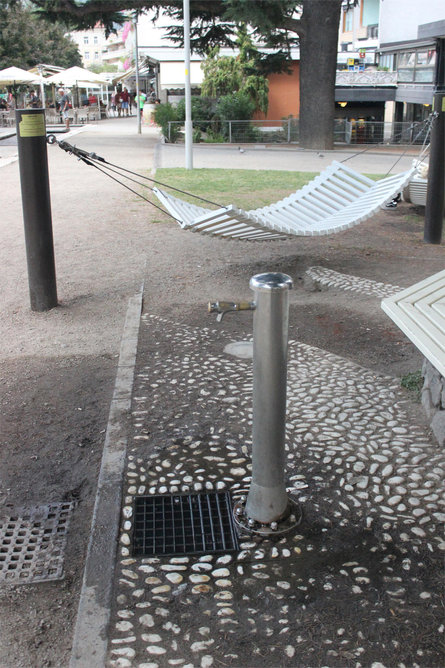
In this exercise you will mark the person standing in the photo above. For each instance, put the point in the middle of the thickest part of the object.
(65, 104)
(34, 100)
(125, 101)
(113, 103)
(117, 98)
(140, 100)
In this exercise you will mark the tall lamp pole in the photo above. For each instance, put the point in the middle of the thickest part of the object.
(42, 87)
(136, 60)
(188, 92)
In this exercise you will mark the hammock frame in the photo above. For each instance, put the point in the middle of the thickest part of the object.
(336, 199)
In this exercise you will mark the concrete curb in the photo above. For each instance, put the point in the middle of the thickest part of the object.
(90, 637)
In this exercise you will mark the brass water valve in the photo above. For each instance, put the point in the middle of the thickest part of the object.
(222, 307)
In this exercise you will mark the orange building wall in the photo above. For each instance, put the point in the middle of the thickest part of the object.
(284, 95)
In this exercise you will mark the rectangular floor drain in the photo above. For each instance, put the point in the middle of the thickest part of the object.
(32, 543)
(183, 524)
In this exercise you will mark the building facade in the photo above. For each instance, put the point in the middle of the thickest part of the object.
(92, 45)
(397, 82)
(387, 60)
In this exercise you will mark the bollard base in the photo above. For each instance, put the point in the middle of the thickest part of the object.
(289, 520)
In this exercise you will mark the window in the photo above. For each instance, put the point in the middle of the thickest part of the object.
(86, 55)
(424, 75)
(96, 39)
(405, 76)
(406, 60)
(96, 55)
(85, 39)
(348, 18)
(370, 12)
(416, 66)
(386, 62)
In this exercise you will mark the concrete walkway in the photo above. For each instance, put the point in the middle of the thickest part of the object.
(365, 159)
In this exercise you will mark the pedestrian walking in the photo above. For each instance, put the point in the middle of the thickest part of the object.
(65, 105)
(140, 100)
(117, 98)
(125, 101)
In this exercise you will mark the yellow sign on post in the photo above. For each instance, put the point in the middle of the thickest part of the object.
(439, 103)
(32, 125)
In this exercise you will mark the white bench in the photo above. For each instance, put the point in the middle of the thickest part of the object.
(417, 190)
(419, 311)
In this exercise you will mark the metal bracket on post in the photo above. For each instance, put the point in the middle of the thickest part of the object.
(267, 510)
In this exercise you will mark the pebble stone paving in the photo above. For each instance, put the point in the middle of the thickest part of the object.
(333, 279)
(356, 584)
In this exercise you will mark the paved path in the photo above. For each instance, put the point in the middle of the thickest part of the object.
(349, 586)
(376, 160)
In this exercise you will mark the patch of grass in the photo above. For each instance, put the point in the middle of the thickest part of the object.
(375, 177)
(415, 219)
(246, 188)
(413, 382)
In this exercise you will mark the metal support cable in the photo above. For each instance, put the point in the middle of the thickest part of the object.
(427, 122)
(88, 160)
(81, 154)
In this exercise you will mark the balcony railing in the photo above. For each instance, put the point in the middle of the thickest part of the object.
(366, 78)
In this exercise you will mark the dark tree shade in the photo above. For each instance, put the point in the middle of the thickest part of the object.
(26, 39)
(278, 24)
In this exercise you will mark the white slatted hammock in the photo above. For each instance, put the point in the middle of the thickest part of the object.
(335, 200)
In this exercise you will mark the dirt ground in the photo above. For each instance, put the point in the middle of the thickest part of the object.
(57, 369)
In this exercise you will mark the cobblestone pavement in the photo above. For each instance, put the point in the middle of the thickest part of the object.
(356, 584)
(322, 278)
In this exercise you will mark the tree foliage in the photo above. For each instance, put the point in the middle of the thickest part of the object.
(212, 20)
(224, 75)
(278, 24)
(27, 39)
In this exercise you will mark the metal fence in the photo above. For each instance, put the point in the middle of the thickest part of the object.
(287, 132)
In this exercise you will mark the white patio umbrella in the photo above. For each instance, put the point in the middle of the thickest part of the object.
(76, 76)
(13, 76)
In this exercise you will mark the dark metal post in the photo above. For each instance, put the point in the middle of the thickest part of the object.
(36, 204)
(434, 211)
(435, 197)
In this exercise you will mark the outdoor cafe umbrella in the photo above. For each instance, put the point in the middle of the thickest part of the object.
(13, 76)
(78, 77)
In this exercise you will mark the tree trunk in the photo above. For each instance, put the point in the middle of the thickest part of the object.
(318, 62)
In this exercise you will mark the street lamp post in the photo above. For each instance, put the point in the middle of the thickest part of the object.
(188, 93)
(42, 87)
(136, 60)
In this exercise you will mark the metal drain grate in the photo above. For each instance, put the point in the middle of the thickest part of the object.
(184, 524)
(32, 543)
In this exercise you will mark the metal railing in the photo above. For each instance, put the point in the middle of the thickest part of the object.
(286, 131)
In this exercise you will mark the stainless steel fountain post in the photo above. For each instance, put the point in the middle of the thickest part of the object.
(267, 500)
(267, 509)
